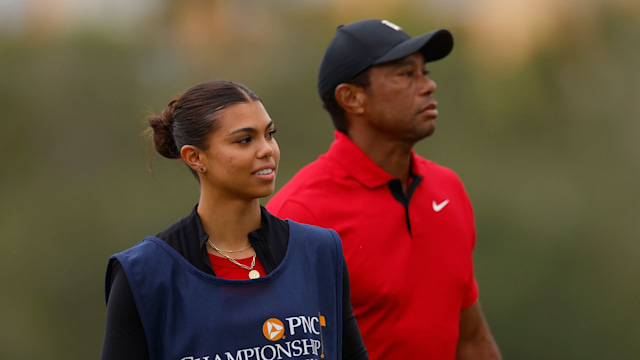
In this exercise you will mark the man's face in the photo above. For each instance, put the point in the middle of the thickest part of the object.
(399, 101)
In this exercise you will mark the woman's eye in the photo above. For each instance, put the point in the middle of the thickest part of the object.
(244, 140)
(272, 133)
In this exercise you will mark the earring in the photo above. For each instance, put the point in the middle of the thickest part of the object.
(201, 169)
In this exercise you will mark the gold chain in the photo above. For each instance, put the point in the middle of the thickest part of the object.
(253, 262)
(227, 251)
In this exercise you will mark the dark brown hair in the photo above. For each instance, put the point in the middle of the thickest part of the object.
(335, 110)
(190, 118)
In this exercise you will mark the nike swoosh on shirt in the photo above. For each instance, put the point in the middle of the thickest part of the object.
(437, 207)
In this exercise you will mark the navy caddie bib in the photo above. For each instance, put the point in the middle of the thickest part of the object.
(295, 312)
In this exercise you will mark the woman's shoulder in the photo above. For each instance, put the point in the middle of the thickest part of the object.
(313, 231)
(147, 247)
(185, 226)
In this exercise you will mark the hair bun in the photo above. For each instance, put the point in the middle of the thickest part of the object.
(162, 127)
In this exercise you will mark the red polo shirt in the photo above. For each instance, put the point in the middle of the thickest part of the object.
(409, 257)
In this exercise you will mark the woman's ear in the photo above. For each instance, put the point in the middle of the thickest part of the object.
(193, 157)
(351, 98)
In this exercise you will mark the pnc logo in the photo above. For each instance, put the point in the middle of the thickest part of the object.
(273, 329)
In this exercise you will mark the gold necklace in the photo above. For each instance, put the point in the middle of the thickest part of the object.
(253, 274)
(227, 251)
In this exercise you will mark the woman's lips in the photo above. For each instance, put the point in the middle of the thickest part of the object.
(265, 174)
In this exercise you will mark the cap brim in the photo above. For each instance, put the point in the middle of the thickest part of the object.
(433, 46)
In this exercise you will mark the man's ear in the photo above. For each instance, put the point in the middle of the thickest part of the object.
(351, 98)
(193, 157)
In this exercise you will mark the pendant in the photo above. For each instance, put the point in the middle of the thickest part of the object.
(254, 274)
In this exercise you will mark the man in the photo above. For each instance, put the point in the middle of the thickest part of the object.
(406, 223)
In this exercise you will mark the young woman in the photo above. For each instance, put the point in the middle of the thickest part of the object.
(229, 280)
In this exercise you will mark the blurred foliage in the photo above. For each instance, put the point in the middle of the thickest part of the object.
(547, 148)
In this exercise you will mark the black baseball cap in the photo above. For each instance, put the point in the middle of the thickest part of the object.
(362, 44)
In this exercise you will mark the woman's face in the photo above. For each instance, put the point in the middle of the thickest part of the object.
(242, 158)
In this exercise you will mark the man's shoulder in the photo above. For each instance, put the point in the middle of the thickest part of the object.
(317, 175)
(425, 167)
(311, 190)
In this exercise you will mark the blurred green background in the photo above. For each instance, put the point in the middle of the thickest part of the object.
(539, 116)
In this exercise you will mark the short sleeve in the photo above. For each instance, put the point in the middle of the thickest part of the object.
(472, 293)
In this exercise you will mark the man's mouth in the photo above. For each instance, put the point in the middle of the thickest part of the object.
(431, 110)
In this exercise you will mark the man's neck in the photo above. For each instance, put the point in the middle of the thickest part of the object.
(394, 157)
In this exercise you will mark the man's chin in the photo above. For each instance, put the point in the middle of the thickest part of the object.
(431, 131)
(425, 133)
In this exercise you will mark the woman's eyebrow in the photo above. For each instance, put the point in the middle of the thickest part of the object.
(248, 129)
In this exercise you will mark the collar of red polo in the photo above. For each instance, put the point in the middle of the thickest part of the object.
(350, 157)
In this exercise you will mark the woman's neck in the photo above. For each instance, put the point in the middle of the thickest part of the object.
(228, 221)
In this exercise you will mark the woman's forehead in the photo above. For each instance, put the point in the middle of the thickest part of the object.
(244, 116)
